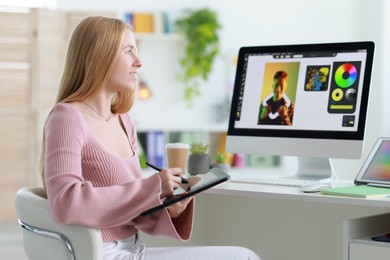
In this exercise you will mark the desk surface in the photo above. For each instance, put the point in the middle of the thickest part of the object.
(292, 193)
(285, 192)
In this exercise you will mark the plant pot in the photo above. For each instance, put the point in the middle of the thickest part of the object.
(222, 166)
(198, 164)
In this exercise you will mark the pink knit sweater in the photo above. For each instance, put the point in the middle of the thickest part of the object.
(87, 185)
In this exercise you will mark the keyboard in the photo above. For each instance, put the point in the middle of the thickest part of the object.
(279, 181)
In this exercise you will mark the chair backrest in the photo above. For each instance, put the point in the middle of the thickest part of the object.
(43, 238)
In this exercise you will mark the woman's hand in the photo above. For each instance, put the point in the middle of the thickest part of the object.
(170, 180)
(176, 209)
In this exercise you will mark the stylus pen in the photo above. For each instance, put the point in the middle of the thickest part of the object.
(183, 180)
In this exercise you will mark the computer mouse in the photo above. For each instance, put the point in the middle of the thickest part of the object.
(315, 187)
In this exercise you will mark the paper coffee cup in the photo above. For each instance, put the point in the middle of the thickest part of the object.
(177, 155)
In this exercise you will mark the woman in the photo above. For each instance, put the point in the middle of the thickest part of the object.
(90, 165)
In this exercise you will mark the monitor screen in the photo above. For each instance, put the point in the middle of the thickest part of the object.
(301, 100)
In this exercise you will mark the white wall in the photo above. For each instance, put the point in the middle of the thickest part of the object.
(253, 22)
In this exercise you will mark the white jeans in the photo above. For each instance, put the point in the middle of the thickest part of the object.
(132, 248)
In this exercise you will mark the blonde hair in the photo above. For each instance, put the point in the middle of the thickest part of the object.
(92, 52)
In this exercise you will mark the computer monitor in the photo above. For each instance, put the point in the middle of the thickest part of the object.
(308, 101)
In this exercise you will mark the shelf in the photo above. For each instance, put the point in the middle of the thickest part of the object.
(362, 249)
(368, 241)
(357, 233)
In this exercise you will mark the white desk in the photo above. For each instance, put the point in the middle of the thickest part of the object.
(280, 222)
(344, 226)
(292, 193)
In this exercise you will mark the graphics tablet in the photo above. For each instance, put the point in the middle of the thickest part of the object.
(376, 169)
(197, 183)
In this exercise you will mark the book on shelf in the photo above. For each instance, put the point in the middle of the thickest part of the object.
(357, 191)
(143, 22)
(155, 147)
(167, 24)
(158, 22)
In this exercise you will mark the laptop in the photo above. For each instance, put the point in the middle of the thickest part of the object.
(376, 169)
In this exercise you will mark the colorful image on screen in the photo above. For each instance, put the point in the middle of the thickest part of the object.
(379, 168)
(278, 93)
(317, 78)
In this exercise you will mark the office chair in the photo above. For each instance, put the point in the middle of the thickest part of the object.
(43, 238)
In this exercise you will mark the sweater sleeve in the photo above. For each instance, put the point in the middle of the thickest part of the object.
(73, 199)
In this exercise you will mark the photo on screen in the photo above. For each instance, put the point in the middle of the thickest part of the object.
(278, 93)
(317, 78)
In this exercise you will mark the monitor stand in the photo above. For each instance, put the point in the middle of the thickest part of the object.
(319, 169)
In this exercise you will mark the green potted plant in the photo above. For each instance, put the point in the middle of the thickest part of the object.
(220, 161)
(200, 29)
(199, 159)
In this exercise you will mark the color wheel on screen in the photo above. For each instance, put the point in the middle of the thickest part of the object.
(344, 87)
(346, 75)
